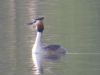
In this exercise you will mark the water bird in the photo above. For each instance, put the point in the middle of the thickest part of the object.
(39, 51)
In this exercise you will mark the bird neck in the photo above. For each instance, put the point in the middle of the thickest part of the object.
(38, 38)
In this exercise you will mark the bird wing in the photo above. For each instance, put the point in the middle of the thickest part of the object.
(54, 52)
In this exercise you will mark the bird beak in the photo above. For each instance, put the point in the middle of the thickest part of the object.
(31, 23)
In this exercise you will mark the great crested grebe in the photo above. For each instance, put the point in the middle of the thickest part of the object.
(50, 52)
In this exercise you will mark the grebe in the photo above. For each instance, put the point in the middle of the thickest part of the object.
(50, 52)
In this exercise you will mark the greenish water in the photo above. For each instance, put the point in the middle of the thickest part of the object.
(73, 24)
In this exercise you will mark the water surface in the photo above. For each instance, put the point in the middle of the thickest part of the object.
(72, 23)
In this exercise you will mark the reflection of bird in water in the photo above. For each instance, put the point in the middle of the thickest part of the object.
(50, 52)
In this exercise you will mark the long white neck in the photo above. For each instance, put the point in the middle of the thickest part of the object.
(38, 40)
(37, 53)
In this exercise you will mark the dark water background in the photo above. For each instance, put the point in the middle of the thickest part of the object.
(71, 23)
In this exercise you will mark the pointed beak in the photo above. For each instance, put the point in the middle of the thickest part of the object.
(31, 23)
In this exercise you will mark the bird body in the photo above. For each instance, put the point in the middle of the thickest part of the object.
(39, 52)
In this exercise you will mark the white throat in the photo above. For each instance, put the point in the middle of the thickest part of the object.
(38, 39)
(37, 53)
(37, 47)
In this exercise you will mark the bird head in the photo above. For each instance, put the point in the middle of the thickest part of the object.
(38, 23)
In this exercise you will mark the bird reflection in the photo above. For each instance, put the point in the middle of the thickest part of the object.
(38, 64)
